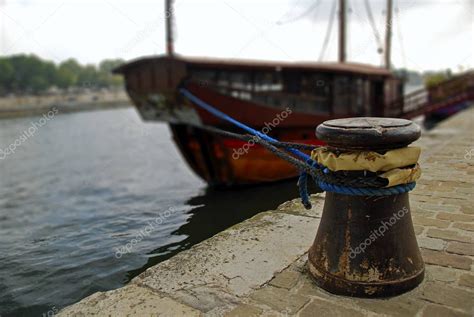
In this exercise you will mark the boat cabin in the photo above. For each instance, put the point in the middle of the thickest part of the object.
(335, 89)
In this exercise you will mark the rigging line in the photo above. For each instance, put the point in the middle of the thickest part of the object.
(350, 15)
(290, 11)
(383, 19)
(328, 31)
(399, 35)
(302, 15)
(368, 9)
(383, 27)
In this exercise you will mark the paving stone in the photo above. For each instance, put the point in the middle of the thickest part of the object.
(308, 287)
(447, 235)
(286, 279)
(206, 298)
(238, 260)
(440, 311)
(453, 194)
(440, 273)
(295, 207)
(464, 226)
(324, 308)
(453, 202)
(431, 243)
(279, 299)
(418, 229)
(467, 280)
(461, 203)
(424, 221)
(460, 248)
(436, 207)
(422, 213)
(467, 210)
(300, 265)
(399, 307)
(244, 310)
(468, 191)
(131, 300)
(416, 197)
(455, 217)
(442, 294)
(446, 259)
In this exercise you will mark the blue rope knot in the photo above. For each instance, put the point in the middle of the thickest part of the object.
(368, 191)
(341, 189)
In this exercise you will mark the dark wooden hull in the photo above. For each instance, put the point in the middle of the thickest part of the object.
(215, 158)
(224, 161)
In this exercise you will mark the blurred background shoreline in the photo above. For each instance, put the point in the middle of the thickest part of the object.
(30, 85)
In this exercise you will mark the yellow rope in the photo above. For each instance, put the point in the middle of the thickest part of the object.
(398, 166)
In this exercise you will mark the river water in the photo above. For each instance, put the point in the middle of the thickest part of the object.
(75, 193)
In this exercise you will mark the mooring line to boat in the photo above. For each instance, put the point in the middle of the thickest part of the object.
(228, 118)
(248, 137)
(346, 183)
(273, 147)
(326, 180)
(323, 174)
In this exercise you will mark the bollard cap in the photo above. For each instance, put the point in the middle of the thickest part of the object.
(370, 133)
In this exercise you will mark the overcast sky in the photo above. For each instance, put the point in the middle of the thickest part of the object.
(428, 34)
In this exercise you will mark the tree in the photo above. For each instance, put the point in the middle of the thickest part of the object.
(6, 75)
(30, 74)
(106, 67)
(65, 78)
(434, 78)
(88, 77)
(68, 73)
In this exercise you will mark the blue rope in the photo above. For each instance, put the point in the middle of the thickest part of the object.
(353, 191)
(225, 117)
(303, 178)
(303, 188)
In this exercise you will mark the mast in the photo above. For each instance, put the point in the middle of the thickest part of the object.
(169, 27)
(388, 34)
(342, 31)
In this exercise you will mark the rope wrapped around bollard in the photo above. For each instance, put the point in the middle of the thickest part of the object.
(381, 173)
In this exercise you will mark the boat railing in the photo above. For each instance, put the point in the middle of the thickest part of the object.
(443, 94)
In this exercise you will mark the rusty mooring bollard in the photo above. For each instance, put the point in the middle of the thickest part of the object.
(366, 245)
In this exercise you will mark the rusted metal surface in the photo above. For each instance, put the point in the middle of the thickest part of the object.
(366, 246)
(368, 133)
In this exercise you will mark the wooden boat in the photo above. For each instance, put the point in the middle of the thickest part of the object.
(258, 94)
(285, 100)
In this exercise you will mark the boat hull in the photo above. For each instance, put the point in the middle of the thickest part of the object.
(225, 161)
